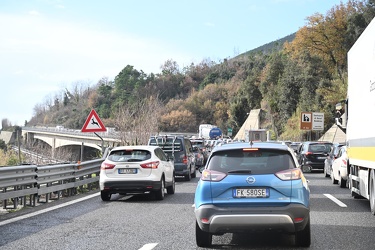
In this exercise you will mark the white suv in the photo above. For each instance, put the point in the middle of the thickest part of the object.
(136, 170)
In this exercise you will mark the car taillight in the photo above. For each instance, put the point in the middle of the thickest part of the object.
(209, 175)
(105, 166)
(344, 162)
(290, 174)
(308, 153)
(153, 164)
(185, 159)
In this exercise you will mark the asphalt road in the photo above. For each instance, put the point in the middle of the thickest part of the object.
(338, 221)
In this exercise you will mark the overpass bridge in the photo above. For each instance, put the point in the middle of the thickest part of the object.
(80, 146)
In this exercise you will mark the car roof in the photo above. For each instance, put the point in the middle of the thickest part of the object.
(262, 145)
(146, 147)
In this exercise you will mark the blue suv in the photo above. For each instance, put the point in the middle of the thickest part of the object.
(247, 187)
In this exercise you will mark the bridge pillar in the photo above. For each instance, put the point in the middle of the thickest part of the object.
(53, 148)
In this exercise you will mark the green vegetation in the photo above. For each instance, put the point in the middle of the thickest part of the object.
(306, 71)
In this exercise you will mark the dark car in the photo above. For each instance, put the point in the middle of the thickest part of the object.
(330, 158)
(179, 148)
(252, 187)
(201, 144)
(312, 154)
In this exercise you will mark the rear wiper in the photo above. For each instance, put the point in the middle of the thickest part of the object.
(240, 171)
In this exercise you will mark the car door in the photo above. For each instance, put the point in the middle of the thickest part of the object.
(336, 165)
(166, 163)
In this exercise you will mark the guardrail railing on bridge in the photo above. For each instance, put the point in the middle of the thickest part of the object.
(29, 182)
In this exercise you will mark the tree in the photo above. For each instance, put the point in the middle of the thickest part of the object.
(325, 36)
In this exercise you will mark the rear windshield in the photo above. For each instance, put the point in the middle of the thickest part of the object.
(263, 161)
(129, 155)
(197, 143)
(168, 144)
(320, 147)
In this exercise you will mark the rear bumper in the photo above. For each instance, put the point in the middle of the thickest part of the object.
(233, 219)
(315, 165)
(114, 187)
(181, 169)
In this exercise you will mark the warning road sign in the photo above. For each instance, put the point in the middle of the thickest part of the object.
(93, 123)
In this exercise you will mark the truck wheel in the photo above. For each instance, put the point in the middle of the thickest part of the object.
(372, 192)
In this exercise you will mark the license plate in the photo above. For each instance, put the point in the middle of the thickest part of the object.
(322, 157)
(251, 193)
(127, 171)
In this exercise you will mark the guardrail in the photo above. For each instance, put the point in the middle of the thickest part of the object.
(29, 182)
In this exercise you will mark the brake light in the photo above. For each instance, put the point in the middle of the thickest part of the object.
(309, 153)
(210, 175)
(250, 149)
(105, 166)
(289, 174)
(344, 161)
(185, 159)
(152, 164)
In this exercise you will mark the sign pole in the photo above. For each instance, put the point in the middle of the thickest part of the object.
(101, 140)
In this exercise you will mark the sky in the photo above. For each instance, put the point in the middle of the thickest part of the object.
(49, 45)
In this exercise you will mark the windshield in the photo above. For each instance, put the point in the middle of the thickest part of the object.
(263, 161)
(129, 155)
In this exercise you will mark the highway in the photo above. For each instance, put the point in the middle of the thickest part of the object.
(138, 222)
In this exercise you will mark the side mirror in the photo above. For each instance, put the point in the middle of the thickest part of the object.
(306, 169)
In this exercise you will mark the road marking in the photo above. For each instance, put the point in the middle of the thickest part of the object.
(341, 204)
(47, 209)
(149, 246)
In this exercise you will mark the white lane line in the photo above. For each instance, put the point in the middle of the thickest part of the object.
(47, 209)
(149, 246)
(341, 204)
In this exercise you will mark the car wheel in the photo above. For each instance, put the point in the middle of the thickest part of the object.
(334, 181)
(159, 194)
(171, 189)
(188, 176)
(106, 196)
(342, 182)
(303, 238)
(325, 172)
(203, 239)
(194, 174)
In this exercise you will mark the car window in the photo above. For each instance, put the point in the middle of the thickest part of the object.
(167, 144)
(320, 148)
(160, 154)
(263, 161)
(129, 155)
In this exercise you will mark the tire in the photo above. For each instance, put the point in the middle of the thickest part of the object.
(325, 172)
(303, 238)
(203, 239)
(194, 174)
(342, 183)
(372, 192)
(334, 181)
(105, 196)
(159, 194)
(188, 176)
(171, 189)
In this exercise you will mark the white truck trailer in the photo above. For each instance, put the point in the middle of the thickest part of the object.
(359, 119)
